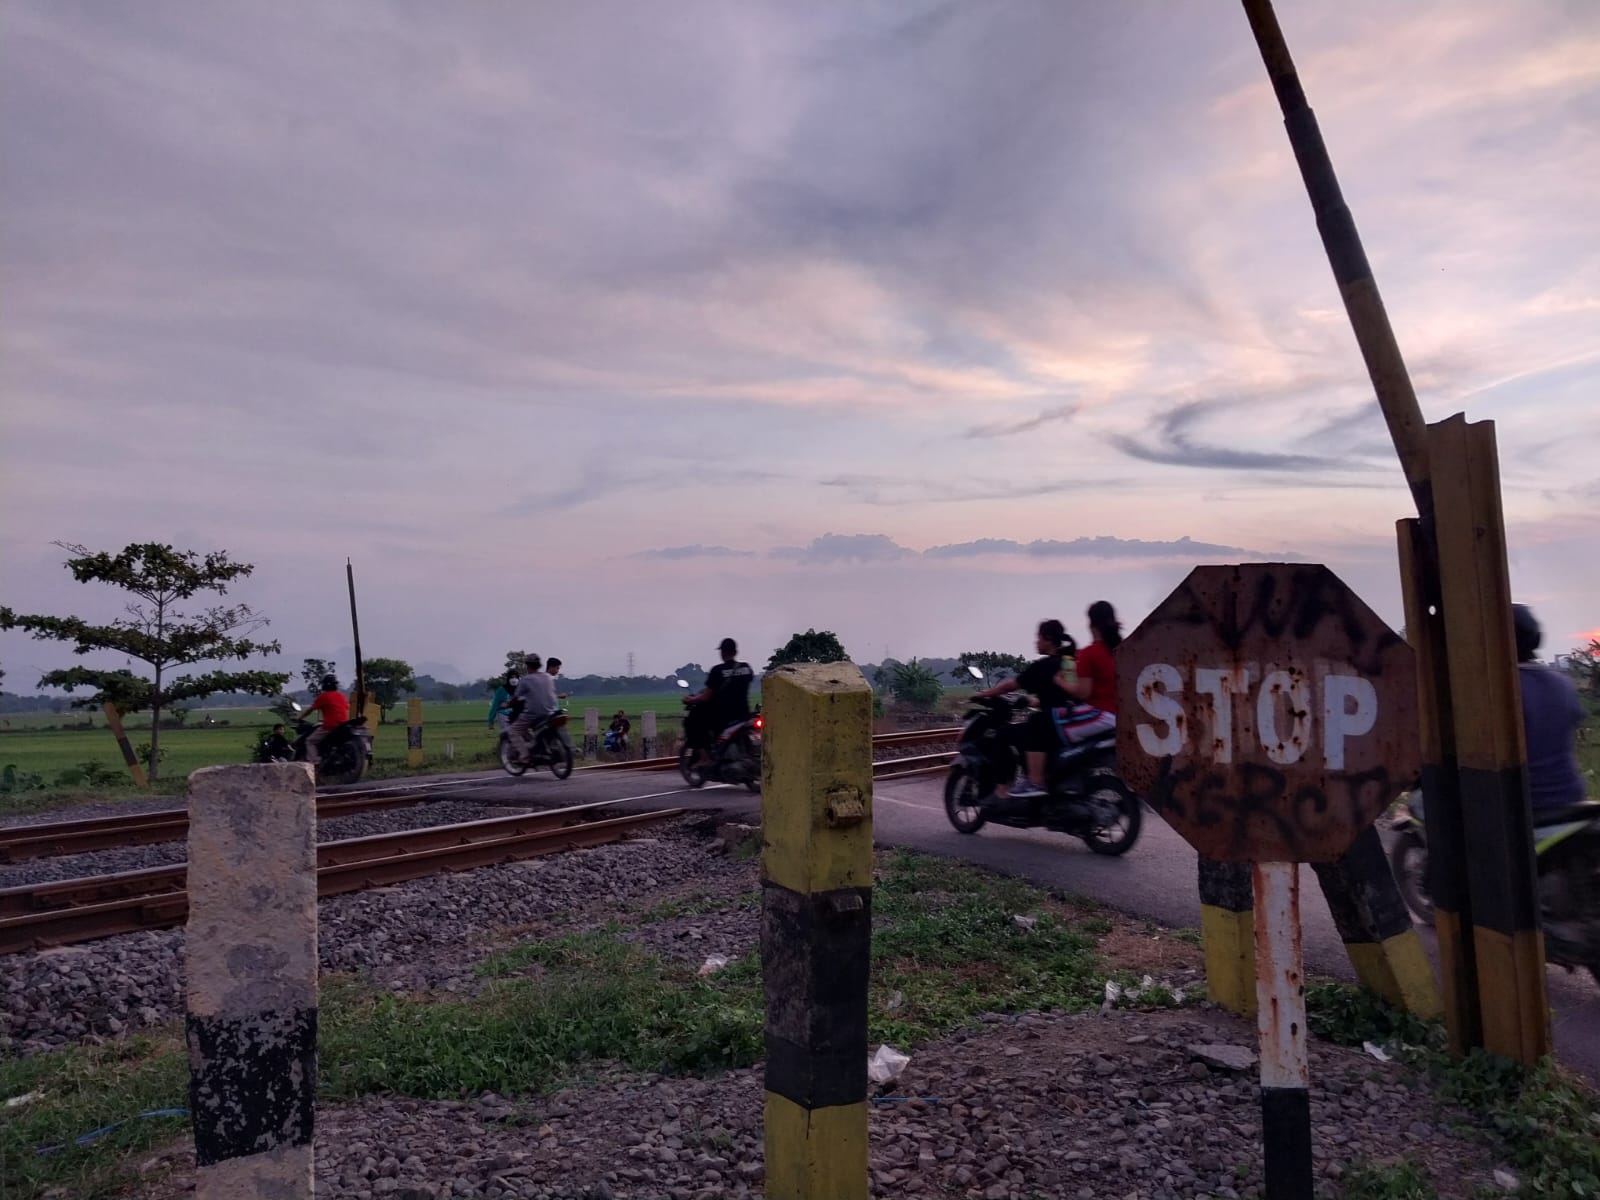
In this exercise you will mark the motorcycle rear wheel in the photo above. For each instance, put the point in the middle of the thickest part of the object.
(1118, 837)
(508, 758)
(962, 792)
(691, 773)
(344, 764)
(1408, 860)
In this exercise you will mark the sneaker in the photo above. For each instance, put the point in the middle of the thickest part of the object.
(1026, 787)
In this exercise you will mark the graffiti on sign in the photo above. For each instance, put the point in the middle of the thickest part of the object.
(1266, 713)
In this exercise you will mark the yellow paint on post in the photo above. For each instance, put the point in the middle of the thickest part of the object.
(135, 767)
(816, 777)
(815, 1154)
(1229, 939)
(1398, 969)
(414, 731)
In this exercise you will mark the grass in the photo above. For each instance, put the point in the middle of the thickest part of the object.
(54, 755)
(1402, 1180)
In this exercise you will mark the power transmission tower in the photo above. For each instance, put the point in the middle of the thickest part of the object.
(630, 664)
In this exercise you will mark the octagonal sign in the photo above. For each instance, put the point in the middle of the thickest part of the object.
(1266, 713)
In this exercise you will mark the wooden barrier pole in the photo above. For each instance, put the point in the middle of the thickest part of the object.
(1281, 1023)
(816, 928)
(251, 970)
(414, 732)
(1227, 935)
(1508, 945)
(135, 767)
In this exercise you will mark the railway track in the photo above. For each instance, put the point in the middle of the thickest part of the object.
(80, 910)
(22, 843)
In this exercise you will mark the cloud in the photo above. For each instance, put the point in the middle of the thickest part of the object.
(1094, 547)
(1062, 412)
(675, 553)
(846, 547)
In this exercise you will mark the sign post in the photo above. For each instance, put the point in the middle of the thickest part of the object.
(1269, 716)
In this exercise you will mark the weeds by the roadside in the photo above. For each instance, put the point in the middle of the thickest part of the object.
(1348, 1015)
(1402, 1180)
(79, 1091)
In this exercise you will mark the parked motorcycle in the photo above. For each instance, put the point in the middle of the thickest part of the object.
(343, 755)
(551, 747)
(735, 754)
(1566, 843)
(1085, 798)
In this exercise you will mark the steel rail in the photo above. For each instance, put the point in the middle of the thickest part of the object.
(92, 909)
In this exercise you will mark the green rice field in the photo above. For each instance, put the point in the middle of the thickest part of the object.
(38, 744)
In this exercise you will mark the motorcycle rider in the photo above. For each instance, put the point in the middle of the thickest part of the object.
(335, 710)
(500, 704)
(724, 701)
(1046, 680)
(534, 702)
(1551, 714)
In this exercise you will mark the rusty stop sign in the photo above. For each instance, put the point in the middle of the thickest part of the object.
(1266, 713)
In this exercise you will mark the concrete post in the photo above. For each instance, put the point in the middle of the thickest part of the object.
(591, 732)
(251, 965)
(647, 732)
(816, 928)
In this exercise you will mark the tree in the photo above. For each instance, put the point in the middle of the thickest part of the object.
(387, 679)
(312, 671)
(693, 674)
(516, 661)
(1584, 665)
(157, 632)
(915, 685)
(992, 663)
(809, 647)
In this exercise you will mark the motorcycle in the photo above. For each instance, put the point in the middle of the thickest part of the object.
(1085, 796)
(551, 747)
(343, 755)
(735, 754)
(1566, 843)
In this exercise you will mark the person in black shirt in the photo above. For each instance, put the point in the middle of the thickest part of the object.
(724, 700)
(277, 747)
(1045, 681)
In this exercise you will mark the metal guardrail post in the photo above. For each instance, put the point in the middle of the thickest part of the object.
(816, 928)
(1227, 935)
(251, 969)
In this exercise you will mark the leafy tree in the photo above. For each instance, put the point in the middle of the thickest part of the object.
(515, 660)
(157, 632)
(693, 674)
(1584, 664)
(994, 665)
(916, 685)
(387, 679)
(809, 647)
(313, 669)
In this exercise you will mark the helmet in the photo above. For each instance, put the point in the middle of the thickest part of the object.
(330, 683)
(1529, 635)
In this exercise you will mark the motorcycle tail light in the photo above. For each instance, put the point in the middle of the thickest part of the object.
(760, 723)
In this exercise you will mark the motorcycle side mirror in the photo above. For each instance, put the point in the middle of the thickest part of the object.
(294, 706)
(974, 672)
(683, 683)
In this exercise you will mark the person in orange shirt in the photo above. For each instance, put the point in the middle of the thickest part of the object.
(1097, 670)
(335, 710)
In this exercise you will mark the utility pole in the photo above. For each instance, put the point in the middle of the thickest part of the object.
(630, 664)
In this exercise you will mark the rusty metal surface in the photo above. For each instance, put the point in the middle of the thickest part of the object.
(1266, 713)
(1280, 978)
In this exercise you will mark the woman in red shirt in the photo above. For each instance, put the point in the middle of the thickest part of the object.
(1097, 671)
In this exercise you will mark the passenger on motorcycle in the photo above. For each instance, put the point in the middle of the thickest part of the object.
(1096, 679)
(1044, 679)
(1551, 714)
(533, 703)
(723, 701)
(335, 710)
(500, 704)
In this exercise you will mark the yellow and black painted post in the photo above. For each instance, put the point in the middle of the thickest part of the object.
(1491, 755)
(414, 732)
(135, 767)
(816, 928)
(1447, 854)
(1375, 927)
(1227, 933)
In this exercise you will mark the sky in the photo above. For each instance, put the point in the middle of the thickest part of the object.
(623, 327)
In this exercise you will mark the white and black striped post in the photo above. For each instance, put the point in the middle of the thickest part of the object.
(1281, 1022)
(251, 964)
(591, 733)
(647, 732)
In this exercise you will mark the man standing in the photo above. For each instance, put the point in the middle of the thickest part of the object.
(723, 701)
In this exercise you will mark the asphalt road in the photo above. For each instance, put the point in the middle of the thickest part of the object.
(1156, 879)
